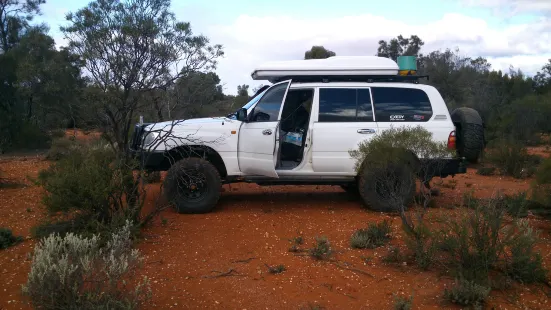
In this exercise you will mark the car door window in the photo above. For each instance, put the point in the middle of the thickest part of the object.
(345, 105)
(268, 107)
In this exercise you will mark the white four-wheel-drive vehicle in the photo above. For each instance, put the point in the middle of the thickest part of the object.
(300, 129)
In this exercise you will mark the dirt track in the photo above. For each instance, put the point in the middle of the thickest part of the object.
(251, 228)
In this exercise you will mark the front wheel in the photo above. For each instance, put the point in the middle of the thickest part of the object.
(193, 185)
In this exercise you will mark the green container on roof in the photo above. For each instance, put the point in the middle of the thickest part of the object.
(408, 63)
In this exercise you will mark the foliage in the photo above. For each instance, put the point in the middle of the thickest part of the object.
(512, 159)
(467, 293)
(130, 48)
(543, 174)
(89, 185)
(7, 238)
(421, 242)
(374, 236)
(318, 52)
(74, 272)
(61, 148)
(477, 243)
(524, 263)
(400, 46)
(402, 303)
(276, 269)
(322, 249)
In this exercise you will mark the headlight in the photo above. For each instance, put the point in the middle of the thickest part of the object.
(150, 138)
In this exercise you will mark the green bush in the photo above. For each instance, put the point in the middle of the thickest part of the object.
(89, 184)
(467, 293)
(402, 303)
(543, 174)
(421, 241)
(7, 238)
(74, 272)
(512, 159)
(374, 236)
(481, 240)
(525, 264)
(322, 249)
(61, 148)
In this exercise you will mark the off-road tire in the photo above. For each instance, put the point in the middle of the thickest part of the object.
(470, 133)
(375, 201)
(181, 170)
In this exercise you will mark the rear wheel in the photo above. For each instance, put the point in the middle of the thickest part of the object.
(470, 133)
(193, 185)
(387, 189)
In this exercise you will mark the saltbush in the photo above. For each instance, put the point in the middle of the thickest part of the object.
(467, 293)
(74, 272)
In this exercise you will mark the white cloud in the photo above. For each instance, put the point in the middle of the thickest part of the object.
(251, 40)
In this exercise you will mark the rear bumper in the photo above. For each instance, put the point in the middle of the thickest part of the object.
(444, 167)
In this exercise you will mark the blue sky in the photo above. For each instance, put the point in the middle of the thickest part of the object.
(508, 32)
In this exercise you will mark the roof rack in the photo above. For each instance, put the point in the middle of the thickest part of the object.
(352, 78)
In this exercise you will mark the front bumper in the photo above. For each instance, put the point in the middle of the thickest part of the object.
(151, 161)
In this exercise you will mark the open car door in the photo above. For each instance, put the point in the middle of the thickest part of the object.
(256, 150)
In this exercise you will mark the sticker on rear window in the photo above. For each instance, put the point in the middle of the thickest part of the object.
(418, 117)
(396, 117)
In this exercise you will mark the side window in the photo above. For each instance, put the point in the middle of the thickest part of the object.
(393, 104)
(344, 105)
(267, 109)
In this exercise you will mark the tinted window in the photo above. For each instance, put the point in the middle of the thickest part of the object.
(394, 104)
(267, 109)
(345, 105)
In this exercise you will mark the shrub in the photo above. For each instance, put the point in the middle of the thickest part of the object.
(402, 303)
(543, 174)
(74, 272)
(322, 249)
(516, 205)
(476, 241)
(57, 133)
(481, 240)
(29, 136)
(276, 269)
(7, 238)
(467, 293)
(89, 183)
(512, 159)
(374, 236)
(61, 148)
(524, 264)
(421, 242)
(393, 256)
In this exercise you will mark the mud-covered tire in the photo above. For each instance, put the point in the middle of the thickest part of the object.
(375, 199)
(192, 185)
(470, 133)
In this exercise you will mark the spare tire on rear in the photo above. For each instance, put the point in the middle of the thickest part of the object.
(469, 133)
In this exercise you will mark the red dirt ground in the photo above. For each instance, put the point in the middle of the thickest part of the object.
(250, 228)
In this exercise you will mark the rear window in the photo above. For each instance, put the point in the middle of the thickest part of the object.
(394, 104)
(345, 105)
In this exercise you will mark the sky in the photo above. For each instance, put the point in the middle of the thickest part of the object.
(507, 32)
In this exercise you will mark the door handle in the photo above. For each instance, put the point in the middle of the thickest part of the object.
(267, 132)
(366, 131)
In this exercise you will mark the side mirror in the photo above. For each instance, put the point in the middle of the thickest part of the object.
(242, 115)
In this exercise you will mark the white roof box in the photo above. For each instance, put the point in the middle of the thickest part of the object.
(332, 66)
